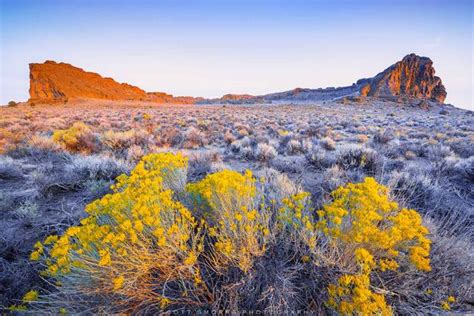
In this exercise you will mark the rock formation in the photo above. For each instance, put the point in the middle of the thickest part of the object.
(413, 76)
(408, 80)
(162, 97)
(51, 81)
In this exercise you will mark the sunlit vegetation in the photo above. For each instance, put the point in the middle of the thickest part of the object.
(155, 243)
(77, 138)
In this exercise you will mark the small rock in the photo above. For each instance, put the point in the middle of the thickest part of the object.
(443, 112)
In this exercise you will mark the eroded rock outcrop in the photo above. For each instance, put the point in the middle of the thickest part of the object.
(53, 82)
(413, 76)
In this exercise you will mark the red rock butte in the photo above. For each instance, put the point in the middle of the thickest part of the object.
(53, 82)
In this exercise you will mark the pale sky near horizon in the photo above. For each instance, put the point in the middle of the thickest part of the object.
(210, 48)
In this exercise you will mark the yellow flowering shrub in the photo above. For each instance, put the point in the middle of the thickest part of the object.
(156, 242)
(360, 231)
(134, 242)
(353, 294)
(296, 217)
(30, 296)
(77, 138)
(239, 225)
(446, 304)
(362, 215)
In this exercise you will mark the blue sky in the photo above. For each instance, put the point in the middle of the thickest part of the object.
(209, 48)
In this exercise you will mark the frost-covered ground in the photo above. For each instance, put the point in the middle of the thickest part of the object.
(426, 157)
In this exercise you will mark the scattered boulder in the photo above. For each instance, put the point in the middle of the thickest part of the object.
(443, 112)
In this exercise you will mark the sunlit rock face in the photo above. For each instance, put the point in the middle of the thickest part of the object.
(413, 76)
(53, 81)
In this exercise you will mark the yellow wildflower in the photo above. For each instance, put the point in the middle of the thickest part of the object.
(30, 296)
(118, 282)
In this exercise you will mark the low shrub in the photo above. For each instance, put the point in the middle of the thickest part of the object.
(9, 169)
(320, 159)
(130, 242)
(135, 153)
(238, 145)
(360, 158)
(194, 138)
(328, 143)
(9, 140)
(294, 147)
(265, 152)
(78, 138)
(384, 136)
(43, 143)
(229, 137)
(362, 138)
(123, 140)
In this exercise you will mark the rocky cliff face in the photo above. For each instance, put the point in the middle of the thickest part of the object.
(53, 81)
(413, 76)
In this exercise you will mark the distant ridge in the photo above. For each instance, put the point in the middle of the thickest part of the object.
(412, 77)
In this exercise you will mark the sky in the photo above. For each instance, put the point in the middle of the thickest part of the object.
(210, 48)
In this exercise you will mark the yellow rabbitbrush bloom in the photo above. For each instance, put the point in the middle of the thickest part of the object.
(118, 282)
(239, 225)
(360, 231)
(362, 217)
(138, 233)
(226, 189)
(72, 139)
(30, 296)
(296, 217)
(362, 214)
(353, 295)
